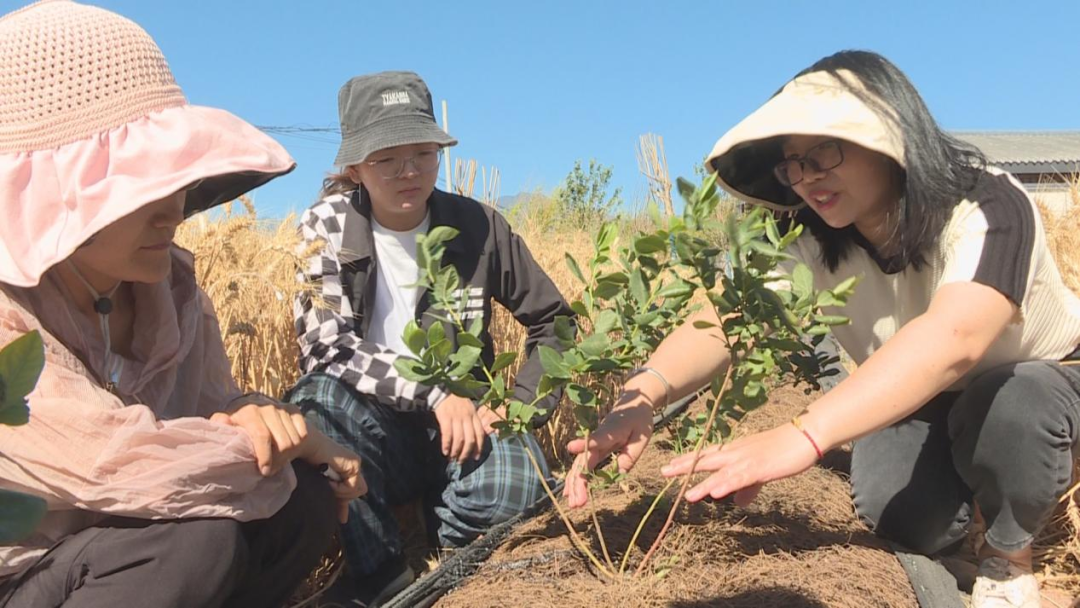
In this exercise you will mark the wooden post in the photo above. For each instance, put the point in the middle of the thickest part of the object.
(446, 151)
(652, 163)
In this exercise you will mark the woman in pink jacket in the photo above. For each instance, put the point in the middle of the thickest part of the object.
(165, 485)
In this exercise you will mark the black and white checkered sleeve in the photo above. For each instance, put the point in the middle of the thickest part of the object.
(325, 330)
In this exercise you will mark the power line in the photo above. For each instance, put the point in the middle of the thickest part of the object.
(303, 132)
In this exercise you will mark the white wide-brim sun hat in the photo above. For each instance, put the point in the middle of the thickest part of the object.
(815, 103)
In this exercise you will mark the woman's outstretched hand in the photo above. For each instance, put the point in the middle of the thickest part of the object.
(744, 465)
(625, 432)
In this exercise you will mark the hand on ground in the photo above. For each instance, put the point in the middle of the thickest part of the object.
(625, 431)
(744, 465)
(461, 429)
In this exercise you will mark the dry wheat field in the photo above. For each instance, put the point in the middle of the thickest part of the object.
(248, 267)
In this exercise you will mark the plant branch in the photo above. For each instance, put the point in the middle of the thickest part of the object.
(596, 522)
(641, 524)
(686, 480)
(565, 518)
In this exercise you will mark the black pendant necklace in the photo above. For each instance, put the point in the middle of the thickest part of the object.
(103, 305)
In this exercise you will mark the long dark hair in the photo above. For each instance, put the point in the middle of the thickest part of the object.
(940, 169)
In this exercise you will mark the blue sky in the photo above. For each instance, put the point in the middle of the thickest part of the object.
(533, 86)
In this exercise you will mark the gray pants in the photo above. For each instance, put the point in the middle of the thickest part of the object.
(1005, 442)
(185, 563)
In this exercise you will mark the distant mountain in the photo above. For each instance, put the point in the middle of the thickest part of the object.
(507, 201)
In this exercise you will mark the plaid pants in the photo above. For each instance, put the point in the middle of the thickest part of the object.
(402, 461)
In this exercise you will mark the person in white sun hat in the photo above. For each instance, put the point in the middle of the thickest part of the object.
(962, 328)
(166, 486)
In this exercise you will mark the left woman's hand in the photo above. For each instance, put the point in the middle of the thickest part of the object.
(746, 464)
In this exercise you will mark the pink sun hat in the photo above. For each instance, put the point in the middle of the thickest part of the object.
(93, 126)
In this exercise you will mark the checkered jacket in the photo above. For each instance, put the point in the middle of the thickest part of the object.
(494, 263)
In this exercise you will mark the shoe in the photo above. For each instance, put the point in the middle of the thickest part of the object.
(1000, 584)
(382, 585)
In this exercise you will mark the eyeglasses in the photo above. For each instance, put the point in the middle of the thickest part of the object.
(391, 167)
(822, 157)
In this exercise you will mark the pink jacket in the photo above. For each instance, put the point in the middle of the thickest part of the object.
(149, 453)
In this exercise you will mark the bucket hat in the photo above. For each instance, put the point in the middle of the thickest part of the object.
(383, 110)
(817, 103)
(93, 126)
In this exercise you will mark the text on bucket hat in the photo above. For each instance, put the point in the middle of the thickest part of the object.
(383, 110)
(93, 126)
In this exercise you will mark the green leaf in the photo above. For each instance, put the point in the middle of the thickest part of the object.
(649, 243)
(21, 363)
(552, 362)
(467, 339)
(605, 238)
(826, 298)
(581, 395)
(14, 414)
(638, 289)
(686, 189)
(467, 386)
(439, 235)
(19, 515)
(802, 280)
(601, 365)
(446, 285)
(791, 236)
(579, 308)
(464, 360)
(564, 330)
(764, 248)
(648, 319)
(606, 321)
(832, 319)
(676, 289)
(772, 233)
(422, 264)
(435, 334)
(595, 345)
(619, 278)
(442, 351)
(846, 287)
(607, 290)
(415, 338)
(574, 268)
(503, 361)
(476, 326)
(412, 370)
(548, 384)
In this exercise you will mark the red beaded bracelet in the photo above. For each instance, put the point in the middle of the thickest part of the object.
(798, 424)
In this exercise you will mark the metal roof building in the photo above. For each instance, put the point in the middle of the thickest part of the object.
(1044, 161)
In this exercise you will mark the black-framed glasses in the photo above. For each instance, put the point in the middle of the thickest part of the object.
(425, 161)
(822, 157)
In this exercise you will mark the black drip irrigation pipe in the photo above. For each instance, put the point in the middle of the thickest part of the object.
(464, 563)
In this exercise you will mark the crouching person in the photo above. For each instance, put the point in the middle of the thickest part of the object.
(416, 441)
(165, 485)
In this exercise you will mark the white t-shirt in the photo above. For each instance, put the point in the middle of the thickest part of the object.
(395, 294)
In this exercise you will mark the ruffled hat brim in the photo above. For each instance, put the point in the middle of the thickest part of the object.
(52, 201)
(817, 103)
